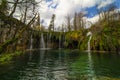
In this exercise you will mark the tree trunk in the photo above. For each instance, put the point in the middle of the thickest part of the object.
(15, 5)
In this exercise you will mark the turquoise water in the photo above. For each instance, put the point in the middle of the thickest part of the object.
(62, 65)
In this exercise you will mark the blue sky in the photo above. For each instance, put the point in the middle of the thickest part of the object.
(62, 8)
(92, 11)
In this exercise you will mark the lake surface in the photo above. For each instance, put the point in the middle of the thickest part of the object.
(62, 65)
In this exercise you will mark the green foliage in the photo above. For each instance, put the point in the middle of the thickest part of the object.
(3, 6)
(5, 44)
(107, 38)
(76, 39)
(5, 58)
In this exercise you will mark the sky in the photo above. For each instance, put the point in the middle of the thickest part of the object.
(62, 8)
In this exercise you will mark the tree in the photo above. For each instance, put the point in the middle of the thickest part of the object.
(4, 6)
(107, 13)
(17, 35)
(51, 25)
(62, 28)
(14, 29)
(80, 20)
(26, 9)
(68, 23)
(74, 22)
(14, 7)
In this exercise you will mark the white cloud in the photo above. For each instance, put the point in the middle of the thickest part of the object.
(66, 7)
(93, 19)
(104, 3)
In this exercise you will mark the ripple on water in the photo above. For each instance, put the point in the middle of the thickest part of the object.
(53, 65)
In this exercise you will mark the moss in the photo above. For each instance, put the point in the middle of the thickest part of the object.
(7, 57)
(5, 44)
(75, 39)
(106, 36)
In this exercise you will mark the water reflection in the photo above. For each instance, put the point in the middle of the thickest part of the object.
(91, 68)
(47, 68)
(62, 65)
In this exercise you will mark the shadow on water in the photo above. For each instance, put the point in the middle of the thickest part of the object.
(62, 65)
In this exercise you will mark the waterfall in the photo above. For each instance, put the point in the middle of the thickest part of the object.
(59, 41)
(42, 42)
(90, 62)
(31, 47)
(48, 41)
(91, 70)
(31, 42)
(89, 33)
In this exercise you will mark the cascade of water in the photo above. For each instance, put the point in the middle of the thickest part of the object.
(90, 64)
(48, 41)
(91, 74)
(42, 42)
(59, 41)
(31, 42)
(31, 47)
(89, 33)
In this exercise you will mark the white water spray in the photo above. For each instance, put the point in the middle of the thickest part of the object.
(31, 47)
(48, 41)
(42, 42)
(59, 41)
(92, 73)
(89, 34)
(31, 42)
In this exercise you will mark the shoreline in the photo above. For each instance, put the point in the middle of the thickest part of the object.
(7, 57)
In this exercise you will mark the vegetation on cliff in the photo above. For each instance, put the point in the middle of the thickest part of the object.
(16, 33)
